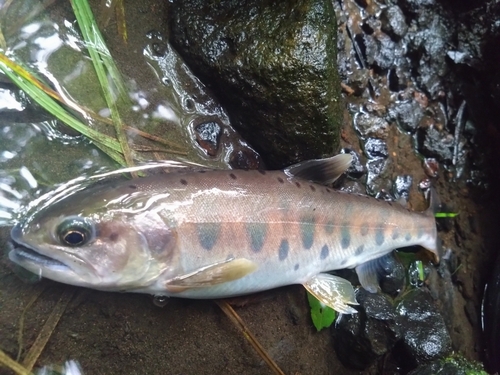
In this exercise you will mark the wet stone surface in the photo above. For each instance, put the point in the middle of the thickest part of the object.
(360, 339)
(426, 337)
(208, 136)
(278, 79)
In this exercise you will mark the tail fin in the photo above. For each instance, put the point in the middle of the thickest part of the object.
(434, 206)
(434, 201)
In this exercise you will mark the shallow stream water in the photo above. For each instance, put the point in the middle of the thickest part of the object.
(111, 333)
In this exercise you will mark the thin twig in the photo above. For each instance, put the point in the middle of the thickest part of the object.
(151, 137)
(8, 362)
(120, 20)
(140, 148)
(48, 328)
(238, 322)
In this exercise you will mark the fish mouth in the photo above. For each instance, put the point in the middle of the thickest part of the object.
(23, 254)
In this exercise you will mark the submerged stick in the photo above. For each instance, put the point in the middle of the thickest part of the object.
(238, 322)
(48, 328)
(34, 297)
(6, 361)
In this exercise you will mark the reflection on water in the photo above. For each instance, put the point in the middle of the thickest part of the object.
(165, 100)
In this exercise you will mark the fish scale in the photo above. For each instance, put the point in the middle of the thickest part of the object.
(214, 234)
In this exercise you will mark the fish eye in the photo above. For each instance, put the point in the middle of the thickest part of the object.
(75, 231)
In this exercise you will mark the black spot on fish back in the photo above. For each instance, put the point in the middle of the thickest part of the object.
(312, 187)
(280, 180)
(133, 187)
(233, 176)
(262, 172)
(297, 183)
(296, 267)
(184, 182)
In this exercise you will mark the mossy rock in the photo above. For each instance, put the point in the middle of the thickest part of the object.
(272, 65)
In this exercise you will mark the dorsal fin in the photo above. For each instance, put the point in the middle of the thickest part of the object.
(323, 171)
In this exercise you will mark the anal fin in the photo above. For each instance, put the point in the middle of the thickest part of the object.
(369, 273)
(214, 274)
(333, 291)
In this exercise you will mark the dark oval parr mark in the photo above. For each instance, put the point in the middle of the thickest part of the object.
(345, 237)
(283, 250)
(257, 233)
(208, 233)
(325, 251)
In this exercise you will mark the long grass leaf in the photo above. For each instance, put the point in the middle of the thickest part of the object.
(50, 105)
(103, 64)
(95, 42)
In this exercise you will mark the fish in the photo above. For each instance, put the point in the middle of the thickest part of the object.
(209, 234)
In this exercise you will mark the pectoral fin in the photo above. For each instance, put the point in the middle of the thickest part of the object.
(333, 291)
(213, 274)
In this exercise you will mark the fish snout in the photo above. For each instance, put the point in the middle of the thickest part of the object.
(16, 232)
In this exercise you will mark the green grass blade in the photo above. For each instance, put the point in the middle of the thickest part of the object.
(96, 45)
(103, 64)
(50, 105)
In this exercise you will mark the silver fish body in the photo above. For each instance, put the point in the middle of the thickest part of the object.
(214, 234)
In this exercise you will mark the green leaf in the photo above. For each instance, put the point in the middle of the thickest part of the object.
(441, 215)
(321, 315)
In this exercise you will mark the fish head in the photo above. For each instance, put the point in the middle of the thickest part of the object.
(86, 241)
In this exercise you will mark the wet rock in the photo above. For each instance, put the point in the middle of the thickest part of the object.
(454, 365)
(273, 68)
(190, 105)
(393, 22)
(402, 186)
(381, 50)
(431, 167)
(208, 136)
(369, 125)
(430, 41)
(376, 149)
(375, 181)
(357, 169)
(393, 279)
(491, 312)
(358, 80)
(432, 142)
(407, 115)
(359, 339)
(425, 335)
(416, 5)
(245, 158)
